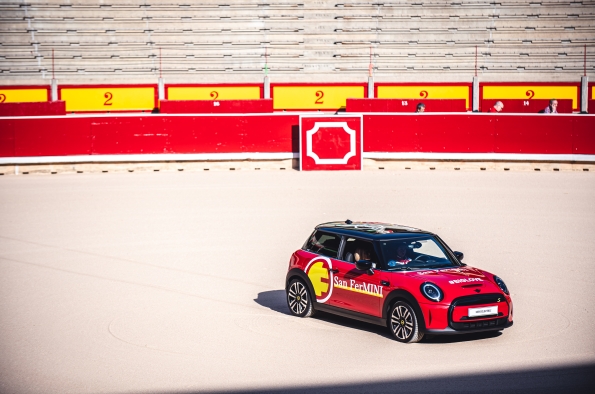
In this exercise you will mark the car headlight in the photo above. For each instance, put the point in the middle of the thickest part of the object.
(432, 292)
(501, 284)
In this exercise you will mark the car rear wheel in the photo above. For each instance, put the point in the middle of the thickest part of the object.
(299, 300)
(403, 323)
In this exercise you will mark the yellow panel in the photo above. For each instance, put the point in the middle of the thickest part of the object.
(314, 97)
(108, 99)
(214, 93)
(23, 95)
(529, 92)
(422, 92)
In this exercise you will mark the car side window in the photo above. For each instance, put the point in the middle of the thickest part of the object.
(358, 249)
(324, 243)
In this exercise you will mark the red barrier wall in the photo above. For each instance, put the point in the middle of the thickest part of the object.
(591, 106)
(533, 106)
(215, 106)
(137, 134)
(147, 134)
(480, 133)
(398, 105)
(33, 109)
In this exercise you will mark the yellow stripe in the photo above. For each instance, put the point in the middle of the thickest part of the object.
(424, 91)
(358, 291)
(529, 91)
(23, 95)
(214, 93)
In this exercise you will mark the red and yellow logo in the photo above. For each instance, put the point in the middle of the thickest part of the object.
(319, 272)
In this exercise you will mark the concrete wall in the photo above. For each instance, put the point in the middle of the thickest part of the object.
(119, 41)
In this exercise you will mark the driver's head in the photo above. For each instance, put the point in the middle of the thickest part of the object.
(401, 251)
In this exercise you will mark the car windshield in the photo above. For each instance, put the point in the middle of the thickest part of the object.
(414, 253)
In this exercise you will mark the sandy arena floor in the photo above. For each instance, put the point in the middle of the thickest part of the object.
(172, 282)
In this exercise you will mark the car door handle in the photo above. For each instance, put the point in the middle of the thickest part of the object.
(384, 283)
(334, 270)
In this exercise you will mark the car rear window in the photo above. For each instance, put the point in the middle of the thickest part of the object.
(324, 243)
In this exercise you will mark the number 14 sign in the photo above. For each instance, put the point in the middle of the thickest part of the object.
(331, 142)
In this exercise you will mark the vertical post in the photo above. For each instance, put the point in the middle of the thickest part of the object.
(267, 82)
(160, 83)
(267, 87)
(371, 77)
(584, 95)
(53, 82)
(476, 61)
(475, 92)
(585, 61)
(54, 90)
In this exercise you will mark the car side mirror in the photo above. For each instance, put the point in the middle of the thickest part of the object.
(459, 255)
(365, 265)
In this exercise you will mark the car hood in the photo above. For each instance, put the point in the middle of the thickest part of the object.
(460, 277)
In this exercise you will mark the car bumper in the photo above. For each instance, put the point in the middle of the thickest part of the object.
(451, 331)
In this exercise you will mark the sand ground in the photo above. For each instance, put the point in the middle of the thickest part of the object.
(172, 282)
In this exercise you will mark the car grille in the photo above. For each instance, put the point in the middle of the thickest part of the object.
(479, 299)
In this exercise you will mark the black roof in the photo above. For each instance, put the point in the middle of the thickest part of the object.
(372, 230)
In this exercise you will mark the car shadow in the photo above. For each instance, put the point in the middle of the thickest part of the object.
(275, 301)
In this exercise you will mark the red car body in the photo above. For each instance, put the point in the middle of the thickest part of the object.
(464, 299)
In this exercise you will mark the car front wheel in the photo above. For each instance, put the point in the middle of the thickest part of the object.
(299, 300)
(403, 323)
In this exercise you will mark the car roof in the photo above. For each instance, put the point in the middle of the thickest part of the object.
(371, 230)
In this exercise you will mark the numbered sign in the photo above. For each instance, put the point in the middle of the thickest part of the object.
(528, 92)
(108, 99)
(23, 95)
(213, 93)
(425, 92)
(314, 97)
(331, 142)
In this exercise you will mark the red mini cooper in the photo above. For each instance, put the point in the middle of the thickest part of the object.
(396, 276)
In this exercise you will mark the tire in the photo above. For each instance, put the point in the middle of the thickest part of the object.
(298, 299)
(403, 323)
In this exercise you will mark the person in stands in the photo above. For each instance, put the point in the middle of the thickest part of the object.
(497, 107)
(421, 107)
(552, 108)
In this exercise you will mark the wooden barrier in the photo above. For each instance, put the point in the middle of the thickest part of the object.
(33, 108)
(527, 106)
(215, 106)
(398, 105)
(384, 133)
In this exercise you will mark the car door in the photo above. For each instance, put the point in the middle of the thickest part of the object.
(356, 290)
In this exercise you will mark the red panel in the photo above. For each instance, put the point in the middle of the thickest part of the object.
(532, 106)
(51, 137)
(405, 105)
(533, 134)
(331, 143)
(212, 106)
(591, 106)
(33, 109)
(583, 135)
(128, 135)
(230, 134)
(7, 138)
(428, 133)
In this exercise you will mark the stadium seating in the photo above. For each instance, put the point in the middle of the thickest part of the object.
(222, 41)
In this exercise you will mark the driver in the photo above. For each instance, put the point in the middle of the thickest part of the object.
(401, 257)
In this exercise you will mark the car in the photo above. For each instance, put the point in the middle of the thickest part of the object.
(396, 276)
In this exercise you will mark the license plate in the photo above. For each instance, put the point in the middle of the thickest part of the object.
(484, 311)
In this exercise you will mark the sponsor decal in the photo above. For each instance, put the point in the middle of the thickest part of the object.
(358, 287)
(467, 280)
(319, 272)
